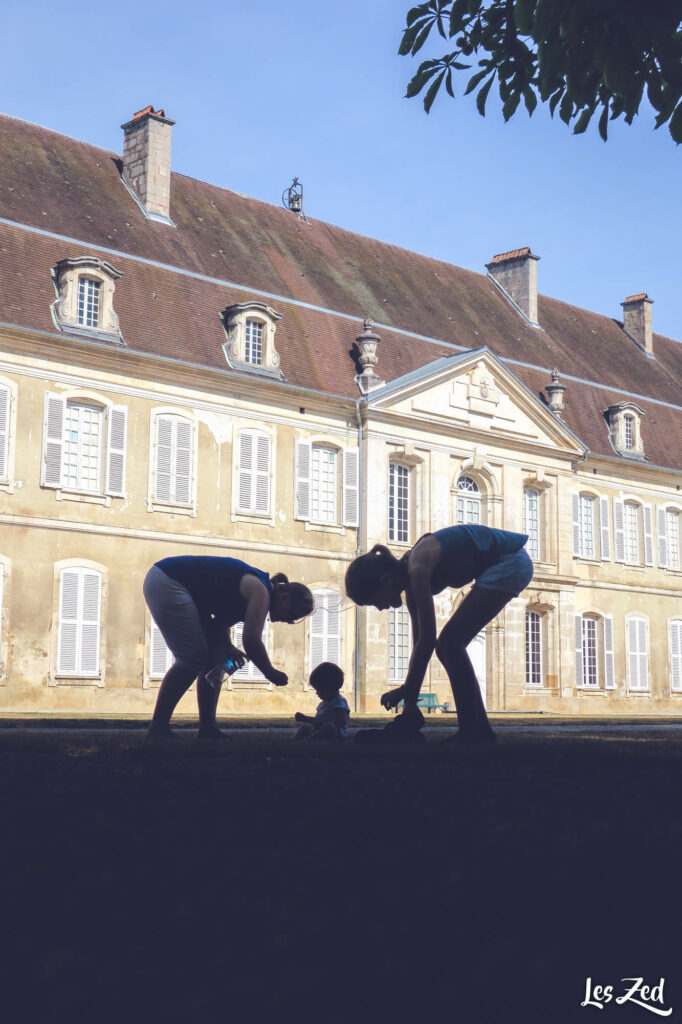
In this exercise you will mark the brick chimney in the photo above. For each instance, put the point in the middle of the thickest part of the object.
(637, 321)
(146, 160)
(516, 273)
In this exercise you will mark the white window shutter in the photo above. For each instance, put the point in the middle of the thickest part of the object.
(67, 640)
(302, 472)
(578, 650)
(317, 630)
(333, 651)
(676, 655)
(182, 467)
(633, 665)
(604, 531)
(4, 432)
(116, 450)
(249, 670)
(643, 644)
(163, 458)
(263, 459)
(618, 530)
(245, 471)
(53, 440)
(351, 488)
(647, 513)
(609, 671)
(2, 581)
(662, 536)
(575, 505)
(90, 622)
(160, 657)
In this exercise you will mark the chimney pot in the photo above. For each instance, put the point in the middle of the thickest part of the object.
(637, 321)
(516, 273)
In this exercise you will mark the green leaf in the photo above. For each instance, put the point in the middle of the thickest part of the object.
(475, 79)
(603, 122)
(433, 90)
(583, 121)
(421, 38)
(510, 105)
(675, 126)
(425, 72)
(483, 95)
(417, 12)
(555, 99)
(566, 108)
(524, 11)
(408, 39)
(448, 83)
(530, 99)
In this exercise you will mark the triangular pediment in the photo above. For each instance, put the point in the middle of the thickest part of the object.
(475, 391)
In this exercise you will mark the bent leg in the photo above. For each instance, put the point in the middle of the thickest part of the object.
(478, 608)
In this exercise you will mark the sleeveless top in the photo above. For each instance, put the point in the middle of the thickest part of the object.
(467, 551)
(213, 583)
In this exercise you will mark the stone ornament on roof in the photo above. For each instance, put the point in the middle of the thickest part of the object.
(367, 341)
(555, 393)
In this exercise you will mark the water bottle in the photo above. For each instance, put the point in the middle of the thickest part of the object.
(215, 676)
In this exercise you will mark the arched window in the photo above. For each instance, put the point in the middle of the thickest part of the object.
(468, 501)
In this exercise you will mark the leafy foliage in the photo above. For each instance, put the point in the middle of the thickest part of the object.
(584, 56)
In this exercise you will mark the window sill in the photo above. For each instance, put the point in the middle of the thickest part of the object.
(635, 566)
(638, 693)
(588, 559)
(260, 518)
(167, 507)
(593, 691)
(531, 690)
(88, 497)
(325, 527)
(64, 680)
(249, 684)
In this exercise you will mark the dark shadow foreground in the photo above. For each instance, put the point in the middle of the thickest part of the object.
(239, 882)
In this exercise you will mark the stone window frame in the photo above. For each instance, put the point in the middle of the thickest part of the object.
(605, 652)
(8, 433)
(66, 274)
(253, 515)
(234, 320)
(154, 504)
(663, 511)
(544, 488)
(616, 417)
(55, 677)
(644, 520)
(544, 605)
(481, 472)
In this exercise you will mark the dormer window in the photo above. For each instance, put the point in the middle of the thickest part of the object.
(85, 303)
(250, 328)
(625, 433)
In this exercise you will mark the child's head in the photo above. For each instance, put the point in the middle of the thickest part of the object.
(326, 680)
(375, 578)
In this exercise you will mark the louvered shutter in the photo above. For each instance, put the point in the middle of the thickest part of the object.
(90, 622)
(618, 530)
(245, 471)
(302, 472)
(676, 655)
(604, 532)
(333, 646)
(249, 671)
(662, 536)
(53, 440)
(163, 457)
(182, 467)
(317, 630)
(633, 664)
(160, 657)
(262, 502)
(647, 514)
(575, 505)
(4, 432)
(116, 450)
(609, 671)
(351, 489)
(67, 643)
(643, 652)
(578, 650)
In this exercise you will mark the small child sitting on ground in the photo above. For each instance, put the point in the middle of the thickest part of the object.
(332, 714)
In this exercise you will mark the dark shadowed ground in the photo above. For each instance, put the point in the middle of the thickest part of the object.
(258, 880)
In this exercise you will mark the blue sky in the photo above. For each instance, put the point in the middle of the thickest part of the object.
(264, 91)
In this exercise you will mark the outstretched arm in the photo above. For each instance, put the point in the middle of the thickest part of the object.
(258, 603)
(423, 617)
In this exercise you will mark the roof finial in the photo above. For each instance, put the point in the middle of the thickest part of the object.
(367, 343)
(555, 391)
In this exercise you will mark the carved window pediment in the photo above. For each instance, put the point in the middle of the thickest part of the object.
(85, 298)
(250, 328)
(625, 429)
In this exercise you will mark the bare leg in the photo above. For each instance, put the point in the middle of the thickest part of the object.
(326, 732)
(207, 700)
(304, 731)
(176, 682)
(476, 611)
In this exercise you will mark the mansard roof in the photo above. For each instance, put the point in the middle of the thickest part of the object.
(60, 197)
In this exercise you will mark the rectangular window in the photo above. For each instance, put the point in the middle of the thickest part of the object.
(629, 437)
(676, 655)
(253, 351)
(672, 529)
(399, 643)
(533, 649)
(638, 657)
(81, 452)
(398, 503)
(323, 480)
(173, 460)
(531, 521)
(631, 529)
(88, 302)
(80, 592)
(587, 549)
(253, 486)
(325, 628)
(590, 672)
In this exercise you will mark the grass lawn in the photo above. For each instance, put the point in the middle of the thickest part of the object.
(260, 880)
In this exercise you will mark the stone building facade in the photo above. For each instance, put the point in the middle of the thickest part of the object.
(184, 370)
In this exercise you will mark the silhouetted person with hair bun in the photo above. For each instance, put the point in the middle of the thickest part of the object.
(195, 600)
(500, 568)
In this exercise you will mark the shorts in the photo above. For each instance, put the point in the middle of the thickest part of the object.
(511, 574)
(177, 616)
